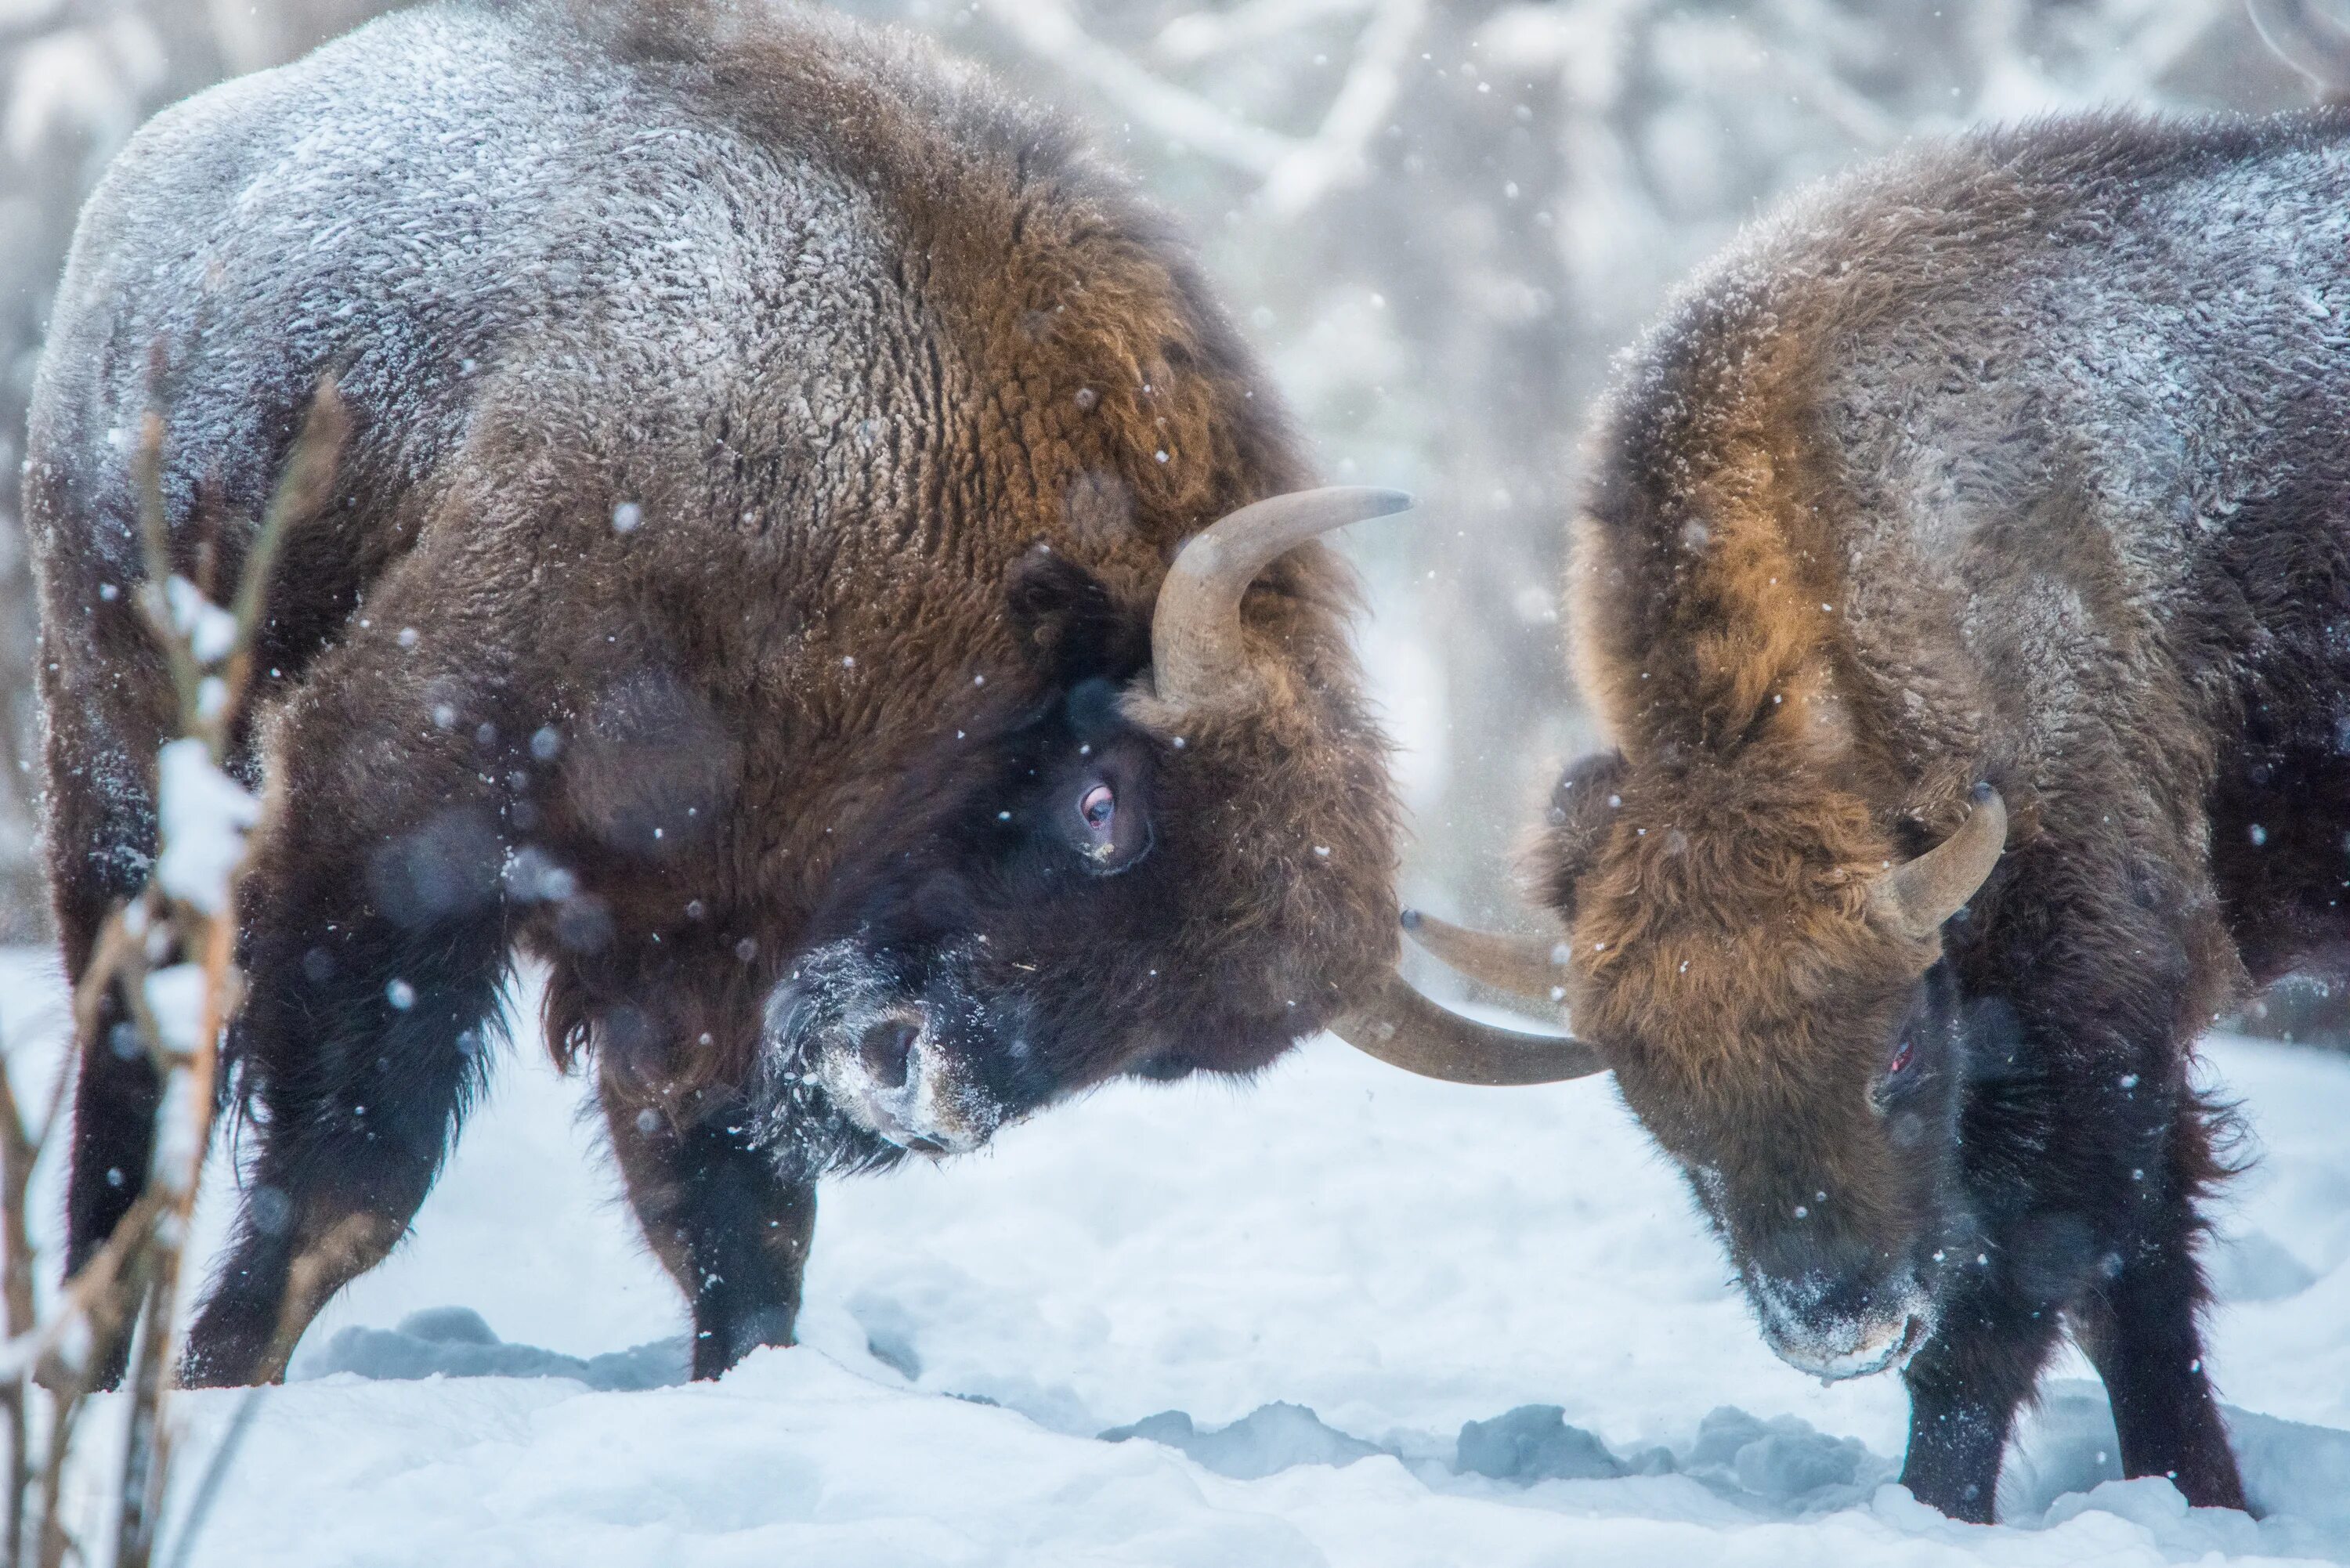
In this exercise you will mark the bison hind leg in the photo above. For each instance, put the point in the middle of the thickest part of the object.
(2140, 1323)
(347, 1152)
(375, 948)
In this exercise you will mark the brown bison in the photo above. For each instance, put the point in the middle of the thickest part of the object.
(747, 591)
(1963, 580)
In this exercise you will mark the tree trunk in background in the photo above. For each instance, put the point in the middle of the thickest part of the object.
(1463, 225)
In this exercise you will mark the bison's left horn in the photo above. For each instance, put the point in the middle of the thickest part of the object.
(1528, 966)
(1404, 1029)
(1919, 897)
(1195, 629)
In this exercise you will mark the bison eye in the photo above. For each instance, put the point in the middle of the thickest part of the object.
(1108, 838)
(1902, 1055)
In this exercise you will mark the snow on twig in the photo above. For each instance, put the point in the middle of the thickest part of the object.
(165, 958)
(201, 818)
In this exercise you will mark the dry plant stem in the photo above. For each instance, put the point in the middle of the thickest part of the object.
(20, 1150)
(56, 1545)
(20, 1472)
(133, 1280)
(147, 1454)
(97, 1298)
(200, 1506)
(108, 955)
(302, 488)
(17, 1150)
(154, 596)
(142, 1447)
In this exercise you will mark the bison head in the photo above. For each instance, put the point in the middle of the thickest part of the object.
(1765, 977)
(1170, 849)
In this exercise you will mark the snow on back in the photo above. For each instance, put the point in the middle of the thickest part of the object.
(2143, 329)
(647, 259)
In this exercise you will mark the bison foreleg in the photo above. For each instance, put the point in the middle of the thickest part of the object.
(729, 1227)
(117, 1092)
(1965, 1388)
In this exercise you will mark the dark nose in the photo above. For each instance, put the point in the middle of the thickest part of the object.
(887, 1047)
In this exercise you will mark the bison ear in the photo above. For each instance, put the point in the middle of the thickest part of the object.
(1582, 804)
(1070, 625)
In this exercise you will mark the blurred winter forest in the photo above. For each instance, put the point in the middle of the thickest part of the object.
(1438, 218)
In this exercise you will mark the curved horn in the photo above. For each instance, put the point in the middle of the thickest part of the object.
(1195, 629)
(1404, 1029)
(1919, 897)
(1533, 968)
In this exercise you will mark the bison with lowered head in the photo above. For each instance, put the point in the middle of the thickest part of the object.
(756, 586)
(1963, 579)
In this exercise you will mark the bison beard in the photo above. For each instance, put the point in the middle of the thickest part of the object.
(776, 580)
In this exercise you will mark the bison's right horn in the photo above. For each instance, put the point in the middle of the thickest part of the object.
(1527, 967)
(1195, 629)
(1920, 896)
(1404, 1029)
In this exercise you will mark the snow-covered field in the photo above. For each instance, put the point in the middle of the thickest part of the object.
(1396, 1256)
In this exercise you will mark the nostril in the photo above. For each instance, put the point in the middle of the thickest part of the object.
(887, 1047)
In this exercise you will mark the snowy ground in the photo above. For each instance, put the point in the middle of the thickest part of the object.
(1397, 1257)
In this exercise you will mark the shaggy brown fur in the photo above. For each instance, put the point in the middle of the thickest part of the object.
(757, 500)
(2015, 460)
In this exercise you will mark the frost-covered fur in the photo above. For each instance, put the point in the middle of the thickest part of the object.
(769, 442)
(2019, 457)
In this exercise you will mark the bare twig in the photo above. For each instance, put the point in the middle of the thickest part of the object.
(210, 706)
(200, 1506)
(154, 537)
(302, 489)
(132, 1286)
(17, 1150)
